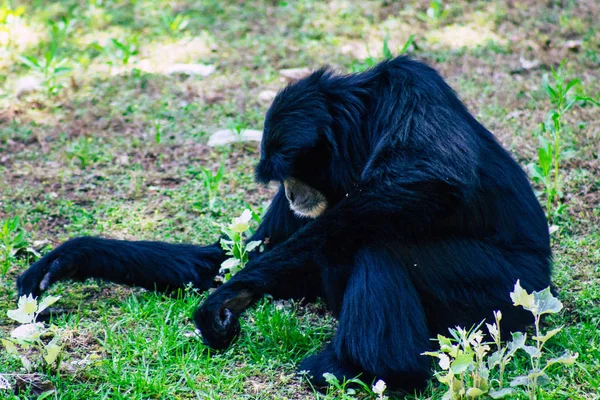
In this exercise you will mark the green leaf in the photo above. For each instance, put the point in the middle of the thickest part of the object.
(444, 341)
(520, 297)
(461, 363)
(549, 89)
(474, 392)
(522, 380)
(28, 332)
(255, 216)
(10, 347)
(495, 357)
(407, 44)
(542, 379)
(569, 105)
(544, 338)
(449, 395)
(252, 245)
(118, 44)
(536, 172)
(52, 352)
(571, 83)
(517, 342)
(387, 54)
(220, 172)
(502, 393)
(61, 70)
(47, 302)
(546, 303)
(444, 378)
(555, 118)
(31, 62)
(236, 251)
(532, 351)
(230, 263)
(330, 378)
(566, 359)
(544, 156)
(549, 123)
(26, 363)
(457, 386)
(587, 99)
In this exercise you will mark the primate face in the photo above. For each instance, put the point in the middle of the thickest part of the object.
(295, 149)
(305, 201)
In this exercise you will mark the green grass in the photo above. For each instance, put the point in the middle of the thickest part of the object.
(81, 156)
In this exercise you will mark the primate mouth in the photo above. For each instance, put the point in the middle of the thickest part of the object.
(305, 201)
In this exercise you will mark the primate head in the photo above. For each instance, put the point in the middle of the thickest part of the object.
(296, 148)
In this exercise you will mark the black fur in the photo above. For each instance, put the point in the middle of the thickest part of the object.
(430, 224)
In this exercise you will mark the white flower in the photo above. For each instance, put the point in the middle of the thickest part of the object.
(28, 304)
(379, 387)
(241, 224)
(25, 312)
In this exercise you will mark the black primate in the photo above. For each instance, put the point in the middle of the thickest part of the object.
(429, 223)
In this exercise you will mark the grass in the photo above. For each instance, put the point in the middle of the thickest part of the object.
(112, 144)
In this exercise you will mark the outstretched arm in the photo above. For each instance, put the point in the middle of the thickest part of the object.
(151, 265)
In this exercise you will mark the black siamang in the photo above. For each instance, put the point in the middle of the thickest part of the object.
(396, 207)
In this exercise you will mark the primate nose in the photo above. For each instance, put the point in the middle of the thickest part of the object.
(290, 196)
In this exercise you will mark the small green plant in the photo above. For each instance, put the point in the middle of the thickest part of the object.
(343, 390)
(235, 245)
(174, 24)
(61, 29)
(238, 126)
(346, 390)
(550, 151)
(371, 61)
(157, 132)
(50, 67)
(12, 240)
(469, 369)
(435, 13)
(211, 183)
(33, 341)
(123, 50)
(83, 151)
